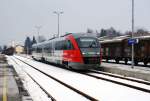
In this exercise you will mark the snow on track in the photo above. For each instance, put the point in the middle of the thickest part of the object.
(99, 89)
(122, 80)
(58, 91)
(34, 90)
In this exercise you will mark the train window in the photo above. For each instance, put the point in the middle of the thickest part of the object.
(46, 49)
(63, 45)
(50, 47)
(88, 42)
(57, 45)
(69, 45)
(39, 50)
(33, 49)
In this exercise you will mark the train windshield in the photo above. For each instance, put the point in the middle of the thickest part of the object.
(88, 42)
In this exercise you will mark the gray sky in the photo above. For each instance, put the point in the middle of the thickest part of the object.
(18, 18)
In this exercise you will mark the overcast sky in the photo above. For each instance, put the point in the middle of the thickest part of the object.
(18, 18)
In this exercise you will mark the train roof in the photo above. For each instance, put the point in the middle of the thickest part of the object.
(120, 38)
(76, 35)
(143, 37)
(116, 39)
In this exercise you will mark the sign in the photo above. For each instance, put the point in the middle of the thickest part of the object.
(132, 41)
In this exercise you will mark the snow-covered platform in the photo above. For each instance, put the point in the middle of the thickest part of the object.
(8, 86)
(126, 70)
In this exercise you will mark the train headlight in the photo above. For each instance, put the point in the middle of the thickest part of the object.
(97, 53)
(83, 53)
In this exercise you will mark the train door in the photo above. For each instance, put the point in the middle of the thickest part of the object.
(147, 54)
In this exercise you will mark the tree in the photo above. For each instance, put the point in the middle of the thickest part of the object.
(138, 32)
(33, 40)
(0, 48)
(4, 47)
(111, 32)
(141, 31)
(97, 34)
(103, 33)
(28, 45)
(89, 30)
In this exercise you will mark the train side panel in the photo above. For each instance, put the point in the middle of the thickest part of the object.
(122, 51)
(65, 51)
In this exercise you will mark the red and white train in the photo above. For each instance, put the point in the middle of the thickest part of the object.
(74, 50)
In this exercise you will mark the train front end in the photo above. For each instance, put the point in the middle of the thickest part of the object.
(90, 52)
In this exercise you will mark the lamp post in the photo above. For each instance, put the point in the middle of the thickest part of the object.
(38, 31)
(132, 65)
(58, 14)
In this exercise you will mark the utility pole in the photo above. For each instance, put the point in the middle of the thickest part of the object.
(38, 32)
(58, 15)
(132, 34)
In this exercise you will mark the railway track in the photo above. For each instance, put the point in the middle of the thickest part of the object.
(118, 82)
(61, 82)
(120, 77)
(48, 94)
(89, 73)
(97, 75)
(113, 62)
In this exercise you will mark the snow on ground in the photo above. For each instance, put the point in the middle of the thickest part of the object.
(125, 76)
(102, 90)
(34, 90)
(126, 67)
(58, 91)
(123, 81)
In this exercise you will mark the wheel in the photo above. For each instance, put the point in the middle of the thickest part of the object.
(126, 61)
(135, 62)
(65, 64)
(117, 61)
(145, 63)
(42, 59)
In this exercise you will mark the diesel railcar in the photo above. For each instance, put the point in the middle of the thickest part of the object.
(118, 49)
(75, 50)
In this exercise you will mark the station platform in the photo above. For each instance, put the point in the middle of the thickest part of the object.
(8, 86)
(138, 72)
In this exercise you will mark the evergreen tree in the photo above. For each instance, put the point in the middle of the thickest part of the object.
(0, 48)
(103, 33)
(33, 40)
(89, 30)
(28, 45)
(4, 47)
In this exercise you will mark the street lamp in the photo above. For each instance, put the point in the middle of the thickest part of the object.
(132, 65)
(38, 31)
(58, 14)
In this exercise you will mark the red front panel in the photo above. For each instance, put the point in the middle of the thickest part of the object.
(72, 55)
